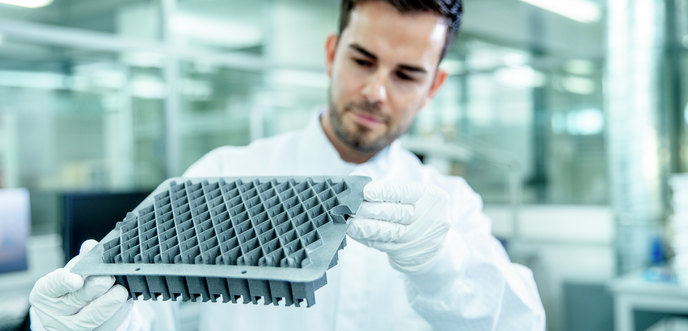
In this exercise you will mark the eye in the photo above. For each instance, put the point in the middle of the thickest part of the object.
(363, 63)
(404, 76)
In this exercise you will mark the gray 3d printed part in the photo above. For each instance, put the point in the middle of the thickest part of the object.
(263, 237)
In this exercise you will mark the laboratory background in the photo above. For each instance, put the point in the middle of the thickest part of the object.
(568, 117)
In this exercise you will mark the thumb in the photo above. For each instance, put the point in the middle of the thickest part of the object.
(86, 247)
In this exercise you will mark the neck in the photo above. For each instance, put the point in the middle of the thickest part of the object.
(347, 153)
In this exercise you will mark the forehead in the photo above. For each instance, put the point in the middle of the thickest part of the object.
(412, 38)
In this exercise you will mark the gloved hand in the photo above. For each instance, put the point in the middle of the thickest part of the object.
(62, 300)
(408, 221)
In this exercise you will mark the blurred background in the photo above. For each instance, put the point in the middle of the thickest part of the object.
(568, 117)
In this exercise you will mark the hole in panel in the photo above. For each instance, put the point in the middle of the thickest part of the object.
(248, 236)
(257, 210)
(264, 226)
(287, 194)
(310, 237)
(284, 228)
(299, 219)
(291, 203)
(320, 187)
(268, 236)
(300, 187)
(319, 210)
(340, 187)
(289, 237)
(303, 229)
(305, 195)
(296, 211)
(326, 195)
(250, 194)
(310, 203)
(229, 244)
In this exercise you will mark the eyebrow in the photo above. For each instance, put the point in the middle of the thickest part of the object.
(372, 56)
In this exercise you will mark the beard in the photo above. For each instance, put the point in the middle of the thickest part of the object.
(360, 139)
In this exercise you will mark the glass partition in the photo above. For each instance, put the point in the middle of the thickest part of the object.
(72, 119)
(133, 19)
(525, 84)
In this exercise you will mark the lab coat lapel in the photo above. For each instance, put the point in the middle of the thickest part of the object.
(317, 156)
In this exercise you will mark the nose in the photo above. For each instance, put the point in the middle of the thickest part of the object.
(375, 90)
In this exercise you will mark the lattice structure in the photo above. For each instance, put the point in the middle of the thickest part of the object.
(269, 238)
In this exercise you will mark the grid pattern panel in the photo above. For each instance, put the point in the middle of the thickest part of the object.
(270, 224)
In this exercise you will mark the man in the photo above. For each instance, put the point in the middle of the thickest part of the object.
(422, 255)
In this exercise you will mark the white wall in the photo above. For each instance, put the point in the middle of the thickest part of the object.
(560, 243)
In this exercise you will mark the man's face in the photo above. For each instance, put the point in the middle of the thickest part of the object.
(383, 70)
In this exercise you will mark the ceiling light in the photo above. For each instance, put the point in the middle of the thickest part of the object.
(291, 77)
(514, 59)
(580, 10)
(580, 67)
(585, 122)
(524, 76)
(218, 32)
(578, 85)
(27, 3)
(147, 87)
(37, 80)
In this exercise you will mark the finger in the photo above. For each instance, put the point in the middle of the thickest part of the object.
(385, 191)
(380, 245)
(120, 316)
(102, 308)
(87, 246)
(359, 174)
(73, 262)
(58, 283)
(387, 211)
(370, 229)
(94, 287)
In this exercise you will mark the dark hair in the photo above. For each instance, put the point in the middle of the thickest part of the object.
(450, 9)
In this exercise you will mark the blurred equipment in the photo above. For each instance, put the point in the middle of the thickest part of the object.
(93, 215)
(639, 292)
(27, 3)
(588, 306)
(679, 226)
(15, 225)
(670, 324)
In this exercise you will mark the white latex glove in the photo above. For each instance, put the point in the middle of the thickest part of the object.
(62, 300)
(408, 221)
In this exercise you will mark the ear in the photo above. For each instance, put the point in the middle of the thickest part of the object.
(439, 80)
(330, 50)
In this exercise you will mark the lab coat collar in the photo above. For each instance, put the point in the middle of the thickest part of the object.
(318, 147)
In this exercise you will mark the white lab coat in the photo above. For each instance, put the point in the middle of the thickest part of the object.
(471, 286)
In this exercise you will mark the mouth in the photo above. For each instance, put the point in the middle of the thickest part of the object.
(367, 119)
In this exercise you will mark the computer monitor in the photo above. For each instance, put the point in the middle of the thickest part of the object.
(94, 215)
(15, 227)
